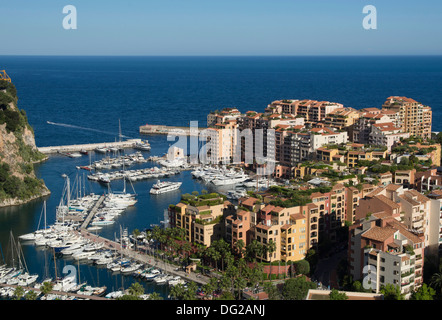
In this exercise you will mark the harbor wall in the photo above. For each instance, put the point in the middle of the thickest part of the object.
(162, 129)
(89, 147)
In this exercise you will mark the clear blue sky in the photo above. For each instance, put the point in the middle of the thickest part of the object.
(221, 27)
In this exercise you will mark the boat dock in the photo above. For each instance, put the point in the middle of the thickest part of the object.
(92, 212)
(61, 293)
(144, 258)
(172, 130)
(89, 147)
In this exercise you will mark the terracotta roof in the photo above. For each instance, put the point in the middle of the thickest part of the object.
(420, 197)
(379, 234)
(393, 187)
(388, 126)
(374, 192)
(297, 216)
(388, 201)
(268, 208)
(249, 201)
(403, 229)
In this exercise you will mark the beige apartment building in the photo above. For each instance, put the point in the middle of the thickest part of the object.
(203, 223)
(414, 117)
(395, 254)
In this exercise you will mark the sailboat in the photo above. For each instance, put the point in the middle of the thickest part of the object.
(39, 232)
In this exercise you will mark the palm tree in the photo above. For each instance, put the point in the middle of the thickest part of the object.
(31, 295)
(239, 247)
(177, 291)
(223, 248)
(136, 233)
(436, 281)
(155, 296)
(187, 248)
(136, 289)
(19, 293)
(46, 288)
(270, 249)
(253, 250)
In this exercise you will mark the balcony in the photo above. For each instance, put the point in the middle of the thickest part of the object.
(407, 282)
(407, 274)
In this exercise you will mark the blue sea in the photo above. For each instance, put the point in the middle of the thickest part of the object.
(87, 97)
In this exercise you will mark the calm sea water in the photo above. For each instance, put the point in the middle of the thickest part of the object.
(87, 96)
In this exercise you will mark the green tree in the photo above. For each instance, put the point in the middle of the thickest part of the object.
(46, 288)
(31, 295)
(270, 248)
(423, 293)
(155, 296)
(136, 289)
(19, 292)
(272, 291)
(210, 286)
(253, 250)
(177, 291)
(392, 292)
(302, 267)
(190, 293)
(296, 288)
(312, 258)
(436, 281)
(239, 247)
(336, 295)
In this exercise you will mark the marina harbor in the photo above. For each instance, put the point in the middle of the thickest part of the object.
(81, 216)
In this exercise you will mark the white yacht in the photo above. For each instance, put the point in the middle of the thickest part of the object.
(143, 145)
(165, 186)
(101, 150)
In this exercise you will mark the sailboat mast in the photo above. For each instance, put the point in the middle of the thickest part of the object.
(119, 129)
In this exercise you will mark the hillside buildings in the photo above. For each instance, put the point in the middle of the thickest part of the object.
(374, 170)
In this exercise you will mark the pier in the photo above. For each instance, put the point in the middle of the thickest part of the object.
(172, 130)
(89, 147)
(92, 212)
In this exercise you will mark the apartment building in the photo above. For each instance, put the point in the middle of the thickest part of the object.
(405, 178)
(428, 180)
(417, 212)
(226, 114)
(201, 218)
(323, 136)
(414, 117)
(361, 129)
(332, 210)
(340, 119)
(352, 199)
(386, 134)
(220, 143)
(395, 253)
(311, 110)
(435, 223)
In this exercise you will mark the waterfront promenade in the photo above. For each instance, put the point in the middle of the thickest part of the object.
(145, 258)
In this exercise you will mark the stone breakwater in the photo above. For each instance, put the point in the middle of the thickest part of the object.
(89, 147)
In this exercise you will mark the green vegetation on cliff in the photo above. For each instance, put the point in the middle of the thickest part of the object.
(17, 150)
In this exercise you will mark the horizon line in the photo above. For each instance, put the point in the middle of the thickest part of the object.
(220, 55)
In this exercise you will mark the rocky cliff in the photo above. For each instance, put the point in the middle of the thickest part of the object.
(18, 152)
